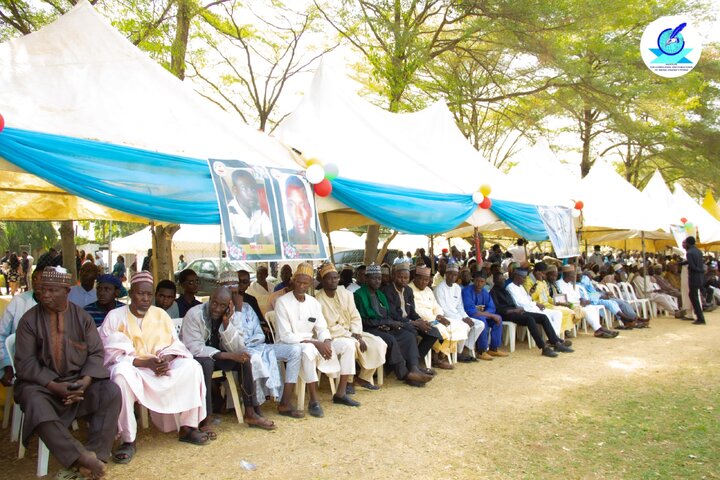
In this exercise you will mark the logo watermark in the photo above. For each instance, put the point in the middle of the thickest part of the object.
(670, 46)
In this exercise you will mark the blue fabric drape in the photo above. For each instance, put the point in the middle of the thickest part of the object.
(408, 210)
(522, 218)
(148, 184)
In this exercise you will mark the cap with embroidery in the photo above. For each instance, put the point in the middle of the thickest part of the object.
(327, 268)
(568, 268)
(422, 270)
(452, 267)
(304, 269)
(57, 276)
(228, 276)
(520, 271)
(384, 270)
(142, 277)
(373, 269)
(401, 266)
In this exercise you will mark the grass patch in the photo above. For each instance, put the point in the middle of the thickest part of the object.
(660, 426)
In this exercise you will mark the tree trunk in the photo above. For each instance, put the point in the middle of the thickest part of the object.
(67, 241)
(371, 242)
(180, 42)
(586, 136)
(162, 267)
(384, 249)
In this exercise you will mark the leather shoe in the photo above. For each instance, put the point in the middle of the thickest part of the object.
(428, 371)
(485, 356)
(559, 347)
(548, 352)
(443, 365)
(413, 383)
(567, 343)
(497, 353)
(345, 400)
(315, 410)
(350, 389)
(464, 358)
(698, 322)
(418, 377)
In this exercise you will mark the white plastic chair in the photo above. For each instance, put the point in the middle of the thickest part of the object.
(606, 315)
(509, 333)
(19, 416)
(628, 294)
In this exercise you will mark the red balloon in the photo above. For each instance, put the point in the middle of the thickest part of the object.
(2, 123)
(579, 205)
(486, 203)
(324, 188)
(683, 220)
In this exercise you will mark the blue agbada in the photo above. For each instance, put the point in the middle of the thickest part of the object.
(471, 299)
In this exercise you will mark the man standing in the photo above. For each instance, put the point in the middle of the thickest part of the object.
(202, 330)
(152, 366)
(165, 298)
(402, 309)
(3, 261)
(99, 262)
(190, 284)
(85, 294)
(182, 264)
(108, 289)
(344, 322)
(60, 377)
(479, 305)
(300, 321)
(402, 352)
(261, 289)
(10, 319)
(696, 278)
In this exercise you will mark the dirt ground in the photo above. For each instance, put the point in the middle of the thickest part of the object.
(445, 430)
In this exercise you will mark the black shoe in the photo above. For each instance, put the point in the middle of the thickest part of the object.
(698, 322)
(315, 410)
(567, 343)
(350, 389)
(345, 400)
(548, 352)
(466, 358)
(559, 347)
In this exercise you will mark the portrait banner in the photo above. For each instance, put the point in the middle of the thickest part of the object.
(267, 214)
(561, 230)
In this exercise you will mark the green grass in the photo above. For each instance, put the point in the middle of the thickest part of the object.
(662, 426)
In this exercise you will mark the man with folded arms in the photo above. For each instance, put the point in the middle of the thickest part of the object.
(402, 349)
(60, 377)
(344, 322)
(479, 305)
(449, 297)
(427, 307)
(152, 366)
(300, 321)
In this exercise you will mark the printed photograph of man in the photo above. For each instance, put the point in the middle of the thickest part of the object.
(249, 223)
(299, 216)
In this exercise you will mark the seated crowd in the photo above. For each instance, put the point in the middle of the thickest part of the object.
(80, 352)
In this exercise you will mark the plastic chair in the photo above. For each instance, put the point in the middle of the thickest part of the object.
(628, 294)
(509, 333)
(19, 416)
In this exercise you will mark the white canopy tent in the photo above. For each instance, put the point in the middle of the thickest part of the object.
(79, 77)
(708, 228)
(423, 150)
(192, 241)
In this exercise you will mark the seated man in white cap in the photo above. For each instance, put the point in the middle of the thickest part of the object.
(449, 297)
(152, 366)
(300, 321)
(427, 307)
(345, 323)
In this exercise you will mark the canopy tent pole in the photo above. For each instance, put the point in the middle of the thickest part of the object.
(477, 244)
(154, 257)
(110, 239)
(327, 233)
(431, 252)
(644, 264)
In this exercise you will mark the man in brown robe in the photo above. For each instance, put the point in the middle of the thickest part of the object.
(60, 377)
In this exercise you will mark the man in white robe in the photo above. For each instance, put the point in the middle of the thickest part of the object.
(345, 324)
(300, 321)
(152, 366)
(427, 307)
(261, 289)
(449, 297)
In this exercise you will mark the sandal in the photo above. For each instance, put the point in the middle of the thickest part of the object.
(195, 436)
(126, 449)
(207, 430)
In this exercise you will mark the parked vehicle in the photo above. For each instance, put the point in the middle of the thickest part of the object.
(208, 270)
(355, 257)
